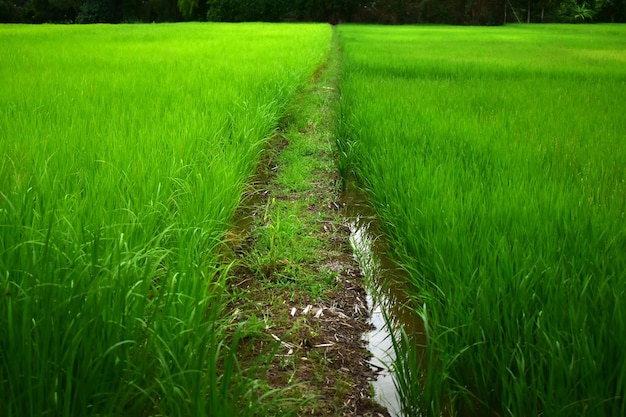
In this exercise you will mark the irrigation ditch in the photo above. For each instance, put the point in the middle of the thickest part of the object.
(309, 267)
(385, 283)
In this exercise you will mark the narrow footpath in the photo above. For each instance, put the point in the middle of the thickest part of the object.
(295, 273)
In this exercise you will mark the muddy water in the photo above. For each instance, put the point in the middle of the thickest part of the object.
(386, 297)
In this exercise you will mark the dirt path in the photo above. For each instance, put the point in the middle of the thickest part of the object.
(295, 272)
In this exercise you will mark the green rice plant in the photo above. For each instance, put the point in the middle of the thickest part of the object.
(124, 153)
(494, 158)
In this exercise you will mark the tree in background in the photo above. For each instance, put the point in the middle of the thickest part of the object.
(463, 12)
(10, 11)
(95, 11)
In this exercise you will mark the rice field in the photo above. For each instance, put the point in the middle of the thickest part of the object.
(493, 156)
(495, 159)
(125, 150)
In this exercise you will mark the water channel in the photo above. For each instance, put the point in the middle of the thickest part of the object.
(387, 300)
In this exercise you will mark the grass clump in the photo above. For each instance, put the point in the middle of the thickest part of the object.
(494, 158)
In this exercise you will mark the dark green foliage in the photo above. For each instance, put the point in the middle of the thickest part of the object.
(458, 12)
(42, 11)
(9, 12)
(586, 11)
(266, 10)
(611, 11)
(95, 11)
(187, 7)
(386, 11)
(570, 11)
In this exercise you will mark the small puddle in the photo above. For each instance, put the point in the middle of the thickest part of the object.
(384, 283)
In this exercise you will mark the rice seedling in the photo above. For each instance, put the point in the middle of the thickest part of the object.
(124, 153)
(494, 157)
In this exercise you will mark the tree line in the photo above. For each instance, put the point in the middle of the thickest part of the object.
(468, 12)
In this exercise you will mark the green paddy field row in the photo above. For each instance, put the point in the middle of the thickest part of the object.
(125, 151)
(494, 158)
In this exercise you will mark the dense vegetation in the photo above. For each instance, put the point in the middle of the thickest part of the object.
(494, 157)
(124, 154)
(495, 160)
(475, 12)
